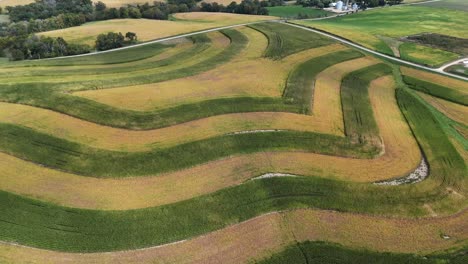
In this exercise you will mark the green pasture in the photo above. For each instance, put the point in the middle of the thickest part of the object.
(367, 28)
(449, 4)
(425, 55)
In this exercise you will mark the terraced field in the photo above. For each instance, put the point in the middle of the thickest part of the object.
(243, 145)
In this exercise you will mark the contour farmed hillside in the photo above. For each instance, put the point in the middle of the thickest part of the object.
(258, 143)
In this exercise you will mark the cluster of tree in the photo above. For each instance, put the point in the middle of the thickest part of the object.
(42, 9)
(113, 40)
(38, 47)
(375, 3)
(158, 10)
(162, 10)
(314, 3)
(252, 7)
(40, 25)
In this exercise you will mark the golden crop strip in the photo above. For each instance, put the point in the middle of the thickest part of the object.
(401, 156)
(264, 235)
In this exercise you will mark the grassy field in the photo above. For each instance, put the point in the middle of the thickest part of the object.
(144, 28)
(163, 143)
(294, 11)
(425, 55)
(449, 4)
(367, 28)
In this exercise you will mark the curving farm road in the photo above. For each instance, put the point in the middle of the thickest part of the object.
(357, 46)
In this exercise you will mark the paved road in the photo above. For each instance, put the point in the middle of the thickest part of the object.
(441, 68)
(377, 53)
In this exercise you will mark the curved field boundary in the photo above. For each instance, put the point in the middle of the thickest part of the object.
(323, 119)
(272, 232)
(245, 75)
(399, 159)
(284, 40)
(165, 55)
(350, 43)
(456, 112)
(443, 92)
(55, 227)
(201, 58)
(77, 158)
(107, 115)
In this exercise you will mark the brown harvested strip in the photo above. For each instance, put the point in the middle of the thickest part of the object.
(452, 83)
(454, 111)
(267, 234)
(401, 156)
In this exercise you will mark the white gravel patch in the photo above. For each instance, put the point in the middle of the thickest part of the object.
(274, 174)
(421, 172)
(255, 131)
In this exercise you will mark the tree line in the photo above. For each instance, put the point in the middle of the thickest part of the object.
(30, 47)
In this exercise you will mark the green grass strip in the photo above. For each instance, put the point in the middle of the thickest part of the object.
(436, 90)
(424, 124)
(73, 157)
(331, 253)
(358, 115)
(301, 81)
(284, 40)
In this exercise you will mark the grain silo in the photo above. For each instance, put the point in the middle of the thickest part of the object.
(339, 5)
